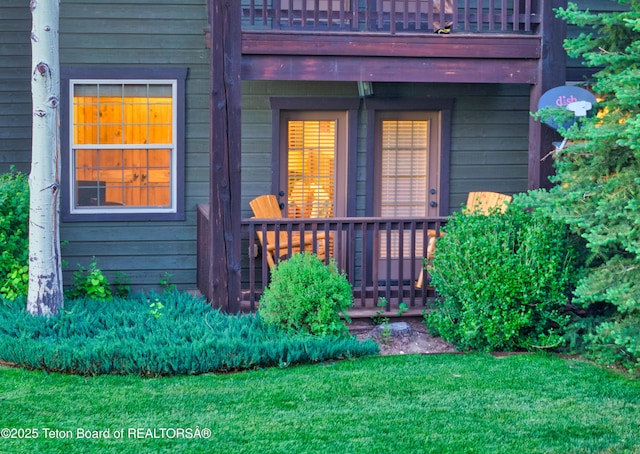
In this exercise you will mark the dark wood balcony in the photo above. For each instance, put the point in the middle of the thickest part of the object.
(491, 41)
(381, 257)
(391, 16)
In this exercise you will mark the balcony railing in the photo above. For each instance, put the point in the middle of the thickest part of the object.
(392, 16)
(382, 258)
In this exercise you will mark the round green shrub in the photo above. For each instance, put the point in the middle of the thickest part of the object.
(14, 234)
(503, 281)
(305, 295)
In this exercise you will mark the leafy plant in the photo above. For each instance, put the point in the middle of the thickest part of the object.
(16, 284)
(121, 287)
(503, 281)
(379, 318)
(402, 308)
(385, 334)
(165, 282)
(305, 295)
(155, 308)
(597, 175)
(14, 234)
(90, 283)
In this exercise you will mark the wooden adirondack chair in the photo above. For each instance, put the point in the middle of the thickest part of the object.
(477, 202)
(267, 207)
(485, 202)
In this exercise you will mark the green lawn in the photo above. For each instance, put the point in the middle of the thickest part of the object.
(439, 403)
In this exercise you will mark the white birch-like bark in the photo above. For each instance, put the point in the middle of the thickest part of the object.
(45, 296)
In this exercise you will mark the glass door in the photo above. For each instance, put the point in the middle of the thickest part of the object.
(313, 173)
(409, 154)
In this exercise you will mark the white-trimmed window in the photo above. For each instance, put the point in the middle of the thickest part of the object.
(124, 159)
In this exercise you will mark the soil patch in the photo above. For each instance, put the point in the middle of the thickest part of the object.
(408, 336)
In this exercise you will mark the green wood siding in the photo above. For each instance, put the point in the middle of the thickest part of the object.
(118, 33)
(144, 33)
(15, 85)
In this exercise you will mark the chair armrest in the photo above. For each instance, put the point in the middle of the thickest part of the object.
(308, 241)
(283, 245)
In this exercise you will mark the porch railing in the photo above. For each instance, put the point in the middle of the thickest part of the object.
(392, 16)
(381, 257)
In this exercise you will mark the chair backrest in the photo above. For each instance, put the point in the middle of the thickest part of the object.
(266, 206)
(484, 202)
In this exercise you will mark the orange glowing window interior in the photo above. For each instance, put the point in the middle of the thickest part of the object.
(311, 168)
(123, 144)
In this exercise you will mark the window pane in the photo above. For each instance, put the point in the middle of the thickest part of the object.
(404, 167)
(404, 176)
(311, 167)
(123, 114)
(143, 180)
(136, 117)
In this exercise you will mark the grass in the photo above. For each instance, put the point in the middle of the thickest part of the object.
(441, 403)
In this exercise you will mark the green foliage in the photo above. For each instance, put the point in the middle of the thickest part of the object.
(305, 295)
(121, 287)
(14, 234)
(598, 179)
(156, 335)
(155, 308)
(379, 318)
(503, 280)
(16, 283)
(165, 282)
(90, 283)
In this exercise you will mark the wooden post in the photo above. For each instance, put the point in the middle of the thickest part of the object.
(551, 73)
(224, 187)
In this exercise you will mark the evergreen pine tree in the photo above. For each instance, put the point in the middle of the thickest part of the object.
(597, 178)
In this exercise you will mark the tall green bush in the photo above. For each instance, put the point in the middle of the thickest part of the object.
(305, 295)
(598, 180)
(503, 280)
(14, 234)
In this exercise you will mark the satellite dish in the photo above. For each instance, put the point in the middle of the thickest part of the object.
(576, 99)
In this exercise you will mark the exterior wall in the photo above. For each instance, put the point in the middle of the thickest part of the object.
(148, 33)
(15, 85)
(489, 130)
(489, 138)
(144, 33)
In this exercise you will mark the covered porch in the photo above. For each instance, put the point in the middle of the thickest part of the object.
(495, 42)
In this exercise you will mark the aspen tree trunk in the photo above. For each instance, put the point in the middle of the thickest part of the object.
(45, 296)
